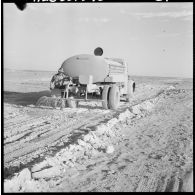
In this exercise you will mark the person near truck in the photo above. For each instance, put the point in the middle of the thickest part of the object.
(58, 80)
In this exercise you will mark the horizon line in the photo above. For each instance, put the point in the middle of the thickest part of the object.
(31, 70)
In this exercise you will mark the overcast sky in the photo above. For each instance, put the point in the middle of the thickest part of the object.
(156, 39)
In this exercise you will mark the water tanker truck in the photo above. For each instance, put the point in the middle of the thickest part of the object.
(92, 77)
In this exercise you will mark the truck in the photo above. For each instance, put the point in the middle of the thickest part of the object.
(93, 78)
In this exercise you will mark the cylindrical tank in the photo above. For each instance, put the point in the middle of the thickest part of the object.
(86, 64)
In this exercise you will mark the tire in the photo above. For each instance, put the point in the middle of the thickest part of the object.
(105, 96)
(114, 97)
(72, 103)
(130, 90)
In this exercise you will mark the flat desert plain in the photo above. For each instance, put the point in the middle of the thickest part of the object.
(144, 146)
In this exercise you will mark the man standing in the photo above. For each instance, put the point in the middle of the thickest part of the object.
(57, 81)
(57, 84)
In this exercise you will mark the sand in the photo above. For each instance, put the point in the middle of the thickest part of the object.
(144, 146)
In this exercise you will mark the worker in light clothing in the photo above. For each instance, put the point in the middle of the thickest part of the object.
(57, 81)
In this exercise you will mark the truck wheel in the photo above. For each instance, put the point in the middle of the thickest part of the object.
(130, 89)
(105, 96)
(72, 103)
(114, 97)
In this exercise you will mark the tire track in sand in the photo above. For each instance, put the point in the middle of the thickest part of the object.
(56, 133)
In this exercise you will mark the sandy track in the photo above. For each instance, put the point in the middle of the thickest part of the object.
(43, 134)
(154, 154)
(152, 150)
(29, 129)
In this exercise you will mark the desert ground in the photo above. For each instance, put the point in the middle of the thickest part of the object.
(144, 146)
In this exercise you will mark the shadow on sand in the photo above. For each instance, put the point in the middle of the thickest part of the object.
(24, 99)
(30, 98)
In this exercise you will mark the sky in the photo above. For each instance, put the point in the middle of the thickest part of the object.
(156, 39)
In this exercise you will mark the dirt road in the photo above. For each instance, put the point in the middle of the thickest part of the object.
(144, 146)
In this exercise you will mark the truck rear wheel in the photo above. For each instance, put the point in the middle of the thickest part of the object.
(114, 97)
(105, 96)
(130, 89)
